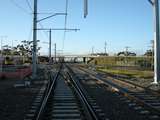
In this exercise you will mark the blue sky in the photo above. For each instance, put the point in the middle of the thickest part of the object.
(120, 23)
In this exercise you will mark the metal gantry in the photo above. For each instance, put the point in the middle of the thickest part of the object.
(34, 51)
(35, 21)
(50, 38)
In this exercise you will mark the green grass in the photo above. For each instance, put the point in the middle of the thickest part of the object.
(130, 73)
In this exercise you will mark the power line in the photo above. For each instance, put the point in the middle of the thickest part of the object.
(65, 23)
(29, 5)
(19, 7)
(25, 11)
(30, 34)
(45, 32)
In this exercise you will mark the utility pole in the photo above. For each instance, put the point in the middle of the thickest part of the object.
(2, 52)
(2, 38)
(12, 52)
(126, 51)
(35, 21)
(152, 54)
(92, 50)
(105, 47)
(50, 43)
(55, 52)
(156, 43)
(1, 45)
(126, 54)
(13, 48)
(34, 52)
(85, 8)
(155, 4)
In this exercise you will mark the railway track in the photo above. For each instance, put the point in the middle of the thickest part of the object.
(65, 99)
(139, 98)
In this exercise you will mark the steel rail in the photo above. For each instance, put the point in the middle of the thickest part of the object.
(125, 80)
(46, 96)
(89, 109)
(125, 92)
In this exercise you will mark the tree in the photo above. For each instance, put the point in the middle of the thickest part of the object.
(6, 50)
(124, 53)
(15, 51)
(26, 47)
(149, 53)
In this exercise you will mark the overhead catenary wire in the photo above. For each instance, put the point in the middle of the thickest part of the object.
(65, 23)
(19, 7)
(29, 5)
(25, 11)
(45, 32)
(30, 34)
(66, 11)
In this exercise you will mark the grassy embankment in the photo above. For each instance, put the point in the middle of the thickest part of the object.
(130, 73)
(141, 66)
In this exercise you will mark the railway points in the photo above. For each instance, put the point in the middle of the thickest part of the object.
(146, 98)
(71, 91)
(64, 99)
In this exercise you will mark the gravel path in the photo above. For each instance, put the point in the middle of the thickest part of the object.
(15, 101)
